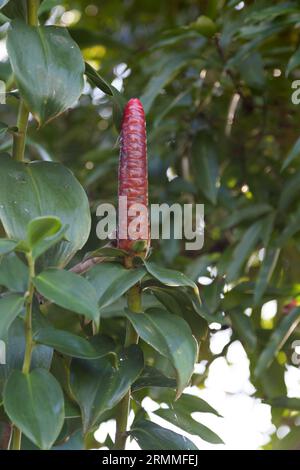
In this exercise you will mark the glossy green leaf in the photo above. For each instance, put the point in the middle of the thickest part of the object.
(98, 386)
(265, 273)
(13, 273)
(243, 250)
(6, 246)
(112, 280)
(97, 80)
(205, 166)
(151, 377)
(35, 404)
(40, 189)
(44, 232)
(74, 345)
(55, 59)
(171, 336)
(151, 436)
(277, 339)
(10, 307)
(184, 421)
(187, 403)
(68, 290)
(293, 153)
(169, 277)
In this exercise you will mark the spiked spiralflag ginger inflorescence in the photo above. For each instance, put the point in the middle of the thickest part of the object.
(133, 221)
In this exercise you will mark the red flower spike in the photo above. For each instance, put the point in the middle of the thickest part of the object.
(133, 180)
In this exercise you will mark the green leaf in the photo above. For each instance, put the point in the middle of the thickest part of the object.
(151, 436)
(74, 345)
(169, 277)
(97, 386)
(40, 189)
(10, 307)
(68, 290)
(292, 155)
(289, 192)
(57, 62)
(3, 126)
(13, 273)
(171, 336)
(112, 280)
(265, 273)
(187, 403)
(6, 246)
(3, 3)
(152, 377)
(35, 404)
(205, 166)
(170, 67)
(285, 403)
(243, 250)
(184, 421)
(277, 339)
(97, 80)
(243, 327)
(44, 232)
(293, 63)
(245, 213)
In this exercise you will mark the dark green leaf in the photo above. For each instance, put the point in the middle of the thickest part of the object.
(35, 404)
(57, 62)
(171, 336)
(246, 213)
(187, 423)
(10, 307)
(68, 290)
(151, 436)
(98, 386)
(112, 280)
(40, 189)
(97, 80)
(243, 250)
(292, 155)
(277, 339)
(286, 403)
(205, 166)
(293, 63)
(73, 345)
(151, 377)
(13, 273)
(6, 246)
(289, 192)
(265, 273)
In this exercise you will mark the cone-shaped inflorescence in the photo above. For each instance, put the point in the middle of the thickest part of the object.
(133, 222)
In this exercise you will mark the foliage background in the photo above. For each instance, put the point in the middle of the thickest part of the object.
(222, 130)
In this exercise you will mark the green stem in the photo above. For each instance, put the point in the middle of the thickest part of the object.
(28, 319)
(22, 122)
(134, 301)
(16, 444)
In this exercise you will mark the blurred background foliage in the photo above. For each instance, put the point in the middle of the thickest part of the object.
(215, 78)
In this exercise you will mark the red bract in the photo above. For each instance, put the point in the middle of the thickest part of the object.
(133, 179)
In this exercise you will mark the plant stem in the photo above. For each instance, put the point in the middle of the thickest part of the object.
(20, 134)
(16, 444)
(28, 319)
(23, 114)
(32, 12)
(134, 301)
